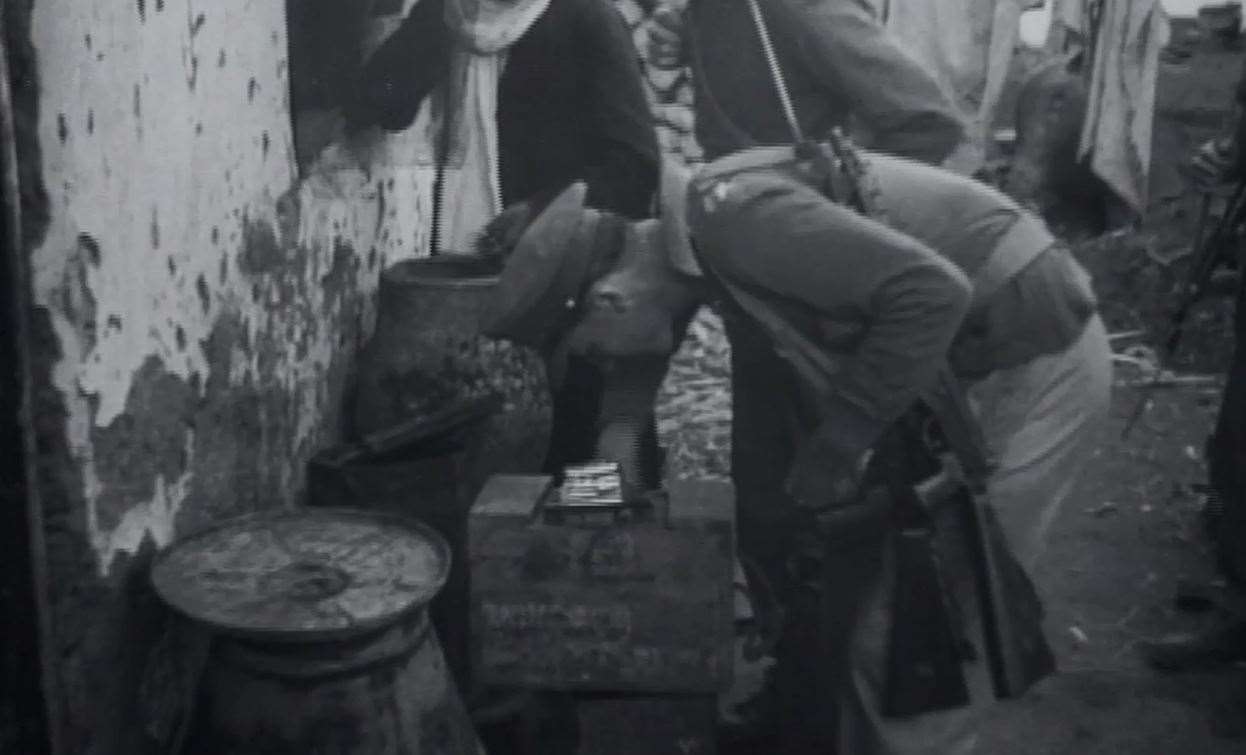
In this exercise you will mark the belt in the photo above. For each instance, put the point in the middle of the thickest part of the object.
(1024, 242)
(751, 158)
(772, 157)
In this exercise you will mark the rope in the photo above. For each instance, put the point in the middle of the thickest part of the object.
(776, 73)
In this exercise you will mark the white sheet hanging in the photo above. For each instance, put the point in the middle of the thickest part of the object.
(1121, 108)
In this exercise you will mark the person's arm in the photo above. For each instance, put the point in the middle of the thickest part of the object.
(623, 175)
(843, 44)
(404, 69)
(908, 302)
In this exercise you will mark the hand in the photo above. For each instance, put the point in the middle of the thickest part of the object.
(665, 36)
(499, 237)
(314, 130)
(824, 474)
(1212, 164)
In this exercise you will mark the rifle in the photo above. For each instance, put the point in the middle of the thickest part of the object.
(926, 646)
(1208, 251)
(1012, 670)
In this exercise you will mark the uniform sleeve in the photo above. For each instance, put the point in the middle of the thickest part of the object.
(404, 69)
(624, 174)
(846, 48)
(786, 242)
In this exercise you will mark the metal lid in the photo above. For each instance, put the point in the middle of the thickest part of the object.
(304, 575)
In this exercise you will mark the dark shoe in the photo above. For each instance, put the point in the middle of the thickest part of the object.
(753, 720)
(1187, 652)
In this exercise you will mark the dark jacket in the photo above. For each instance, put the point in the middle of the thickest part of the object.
(1239, 128)
(571, 102)
(839, 62)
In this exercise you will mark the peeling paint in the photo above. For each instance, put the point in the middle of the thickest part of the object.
(143, 444)
(191, 383)
(205, 296)
(294, 244)
(261, 253)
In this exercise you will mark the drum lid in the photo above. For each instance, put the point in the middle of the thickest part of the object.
(303, 575)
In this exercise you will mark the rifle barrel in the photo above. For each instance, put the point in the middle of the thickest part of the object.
(1206, 255)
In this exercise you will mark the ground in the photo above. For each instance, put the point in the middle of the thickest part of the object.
(1129, 535)
(1126, 539)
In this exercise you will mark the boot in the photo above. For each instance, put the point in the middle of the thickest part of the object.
(1220, 645)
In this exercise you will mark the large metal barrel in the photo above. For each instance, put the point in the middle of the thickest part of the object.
(323, 641)
(415, 470)
(427, 350)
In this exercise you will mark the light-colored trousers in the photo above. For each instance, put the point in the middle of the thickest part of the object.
(1040, 420)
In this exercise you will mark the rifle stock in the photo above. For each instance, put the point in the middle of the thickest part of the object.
(1011, 674)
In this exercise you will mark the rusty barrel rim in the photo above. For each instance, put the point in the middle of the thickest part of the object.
(454, 271)
(293, 589)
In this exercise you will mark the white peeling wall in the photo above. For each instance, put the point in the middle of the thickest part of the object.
(166, 142)
(204, 306)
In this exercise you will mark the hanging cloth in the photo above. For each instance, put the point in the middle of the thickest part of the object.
(1074, 24)
(463, 119)
(1121, 108)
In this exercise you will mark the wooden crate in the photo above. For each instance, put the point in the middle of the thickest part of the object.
(648, 725)
(620, 606)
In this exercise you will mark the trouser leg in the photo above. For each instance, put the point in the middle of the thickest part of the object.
(801, 711)
(1040, 421)
(762, 448)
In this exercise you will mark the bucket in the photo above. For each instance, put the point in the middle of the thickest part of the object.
(428, 350)
(323, 640)
(415, 469)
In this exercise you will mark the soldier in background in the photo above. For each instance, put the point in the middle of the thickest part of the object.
(1214, 166)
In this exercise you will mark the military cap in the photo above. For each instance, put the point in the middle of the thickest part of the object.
(539, 286)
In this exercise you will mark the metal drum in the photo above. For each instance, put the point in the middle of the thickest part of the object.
(428, 350)
(324, 645)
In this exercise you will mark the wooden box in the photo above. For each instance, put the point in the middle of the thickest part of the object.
(639, 605)
(651, 724)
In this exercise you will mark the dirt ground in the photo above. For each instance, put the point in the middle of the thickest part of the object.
(1130, 534)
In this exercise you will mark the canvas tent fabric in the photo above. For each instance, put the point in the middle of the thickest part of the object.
(1125, 38)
